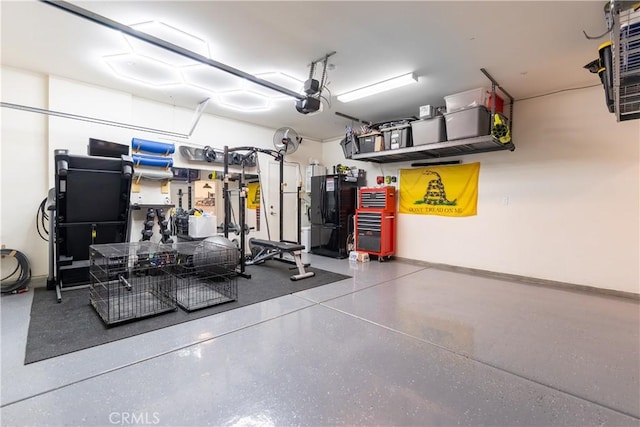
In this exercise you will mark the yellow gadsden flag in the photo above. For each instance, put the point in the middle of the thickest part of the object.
(253, 196)
(440, 190)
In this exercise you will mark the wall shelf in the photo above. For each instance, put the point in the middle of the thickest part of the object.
(139, 206)
(459, 147)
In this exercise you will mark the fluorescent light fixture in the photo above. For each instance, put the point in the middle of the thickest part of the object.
(172, 35)
(244, 100)
(279, 78)
(376, 88)
(142, 69)
(211, 79)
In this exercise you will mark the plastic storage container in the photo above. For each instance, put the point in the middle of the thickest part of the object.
(350, 147)
(472, 98)
(499, 103)
(202, 226)
(397, 137)
(370, 142)
(428, 131)
(468, 123)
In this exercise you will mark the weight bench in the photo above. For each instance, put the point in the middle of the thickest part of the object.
(263, 250)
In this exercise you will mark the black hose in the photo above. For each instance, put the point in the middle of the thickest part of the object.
(24, 269)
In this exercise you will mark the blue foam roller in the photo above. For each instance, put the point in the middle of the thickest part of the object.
(162, 162)
(152, 146)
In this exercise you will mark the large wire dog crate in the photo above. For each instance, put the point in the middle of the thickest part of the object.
(205, 274)
(131, 280)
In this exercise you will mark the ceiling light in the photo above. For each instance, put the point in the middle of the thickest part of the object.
(169, 34)
(244, 100)
(281, 79)
(376, 88)
(143, 70)
(211, 79)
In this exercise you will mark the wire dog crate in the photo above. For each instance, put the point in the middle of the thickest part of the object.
(205, 274)
(131, 280)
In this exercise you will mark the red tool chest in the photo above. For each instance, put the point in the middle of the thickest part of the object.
(376, 221)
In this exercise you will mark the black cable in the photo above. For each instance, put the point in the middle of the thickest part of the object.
(41, 216)
(24, 268)
(557, 91)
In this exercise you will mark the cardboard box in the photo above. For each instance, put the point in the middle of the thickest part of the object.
(358, 256)
(427, 111)
(379, 143)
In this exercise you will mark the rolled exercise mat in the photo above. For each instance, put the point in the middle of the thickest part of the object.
(149, 173)
(146, 146)
(158, 162)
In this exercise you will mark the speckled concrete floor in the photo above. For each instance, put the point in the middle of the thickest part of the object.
(396, 344)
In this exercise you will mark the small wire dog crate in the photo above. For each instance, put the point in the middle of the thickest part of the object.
(205, 273)
(131, 280)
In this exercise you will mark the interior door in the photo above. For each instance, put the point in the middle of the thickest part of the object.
(289, 204)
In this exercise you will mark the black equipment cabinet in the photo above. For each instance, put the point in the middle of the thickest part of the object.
(333, 204)
(91, 207)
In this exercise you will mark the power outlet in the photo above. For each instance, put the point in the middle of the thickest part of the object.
(505, 201)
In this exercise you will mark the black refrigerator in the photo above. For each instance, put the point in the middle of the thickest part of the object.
(333, 205)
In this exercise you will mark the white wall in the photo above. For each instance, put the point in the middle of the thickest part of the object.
(24, 166)
(563, 206)
(28, 141)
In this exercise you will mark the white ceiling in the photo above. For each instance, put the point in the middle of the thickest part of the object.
(531, 48)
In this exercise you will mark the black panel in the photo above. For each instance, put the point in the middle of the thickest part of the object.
(93, 196)
(98, 147)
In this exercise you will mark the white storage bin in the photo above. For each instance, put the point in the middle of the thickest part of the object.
(468, 99)
(202, 226)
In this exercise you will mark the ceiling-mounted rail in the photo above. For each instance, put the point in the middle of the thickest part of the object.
(100, 121)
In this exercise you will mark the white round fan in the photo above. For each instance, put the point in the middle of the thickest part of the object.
(286, 140)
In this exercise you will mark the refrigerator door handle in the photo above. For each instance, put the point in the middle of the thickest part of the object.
(323, 196)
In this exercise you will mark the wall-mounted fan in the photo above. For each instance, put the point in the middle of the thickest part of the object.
(286, 140)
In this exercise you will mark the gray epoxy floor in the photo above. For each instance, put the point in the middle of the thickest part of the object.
(396, 344)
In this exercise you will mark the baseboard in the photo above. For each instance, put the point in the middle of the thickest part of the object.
(525, 279)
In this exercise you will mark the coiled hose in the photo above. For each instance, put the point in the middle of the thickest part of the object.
(23, 269)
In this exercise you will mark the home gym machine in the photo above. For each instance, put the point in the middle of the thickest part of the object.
(89, 205)
(262, 250)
